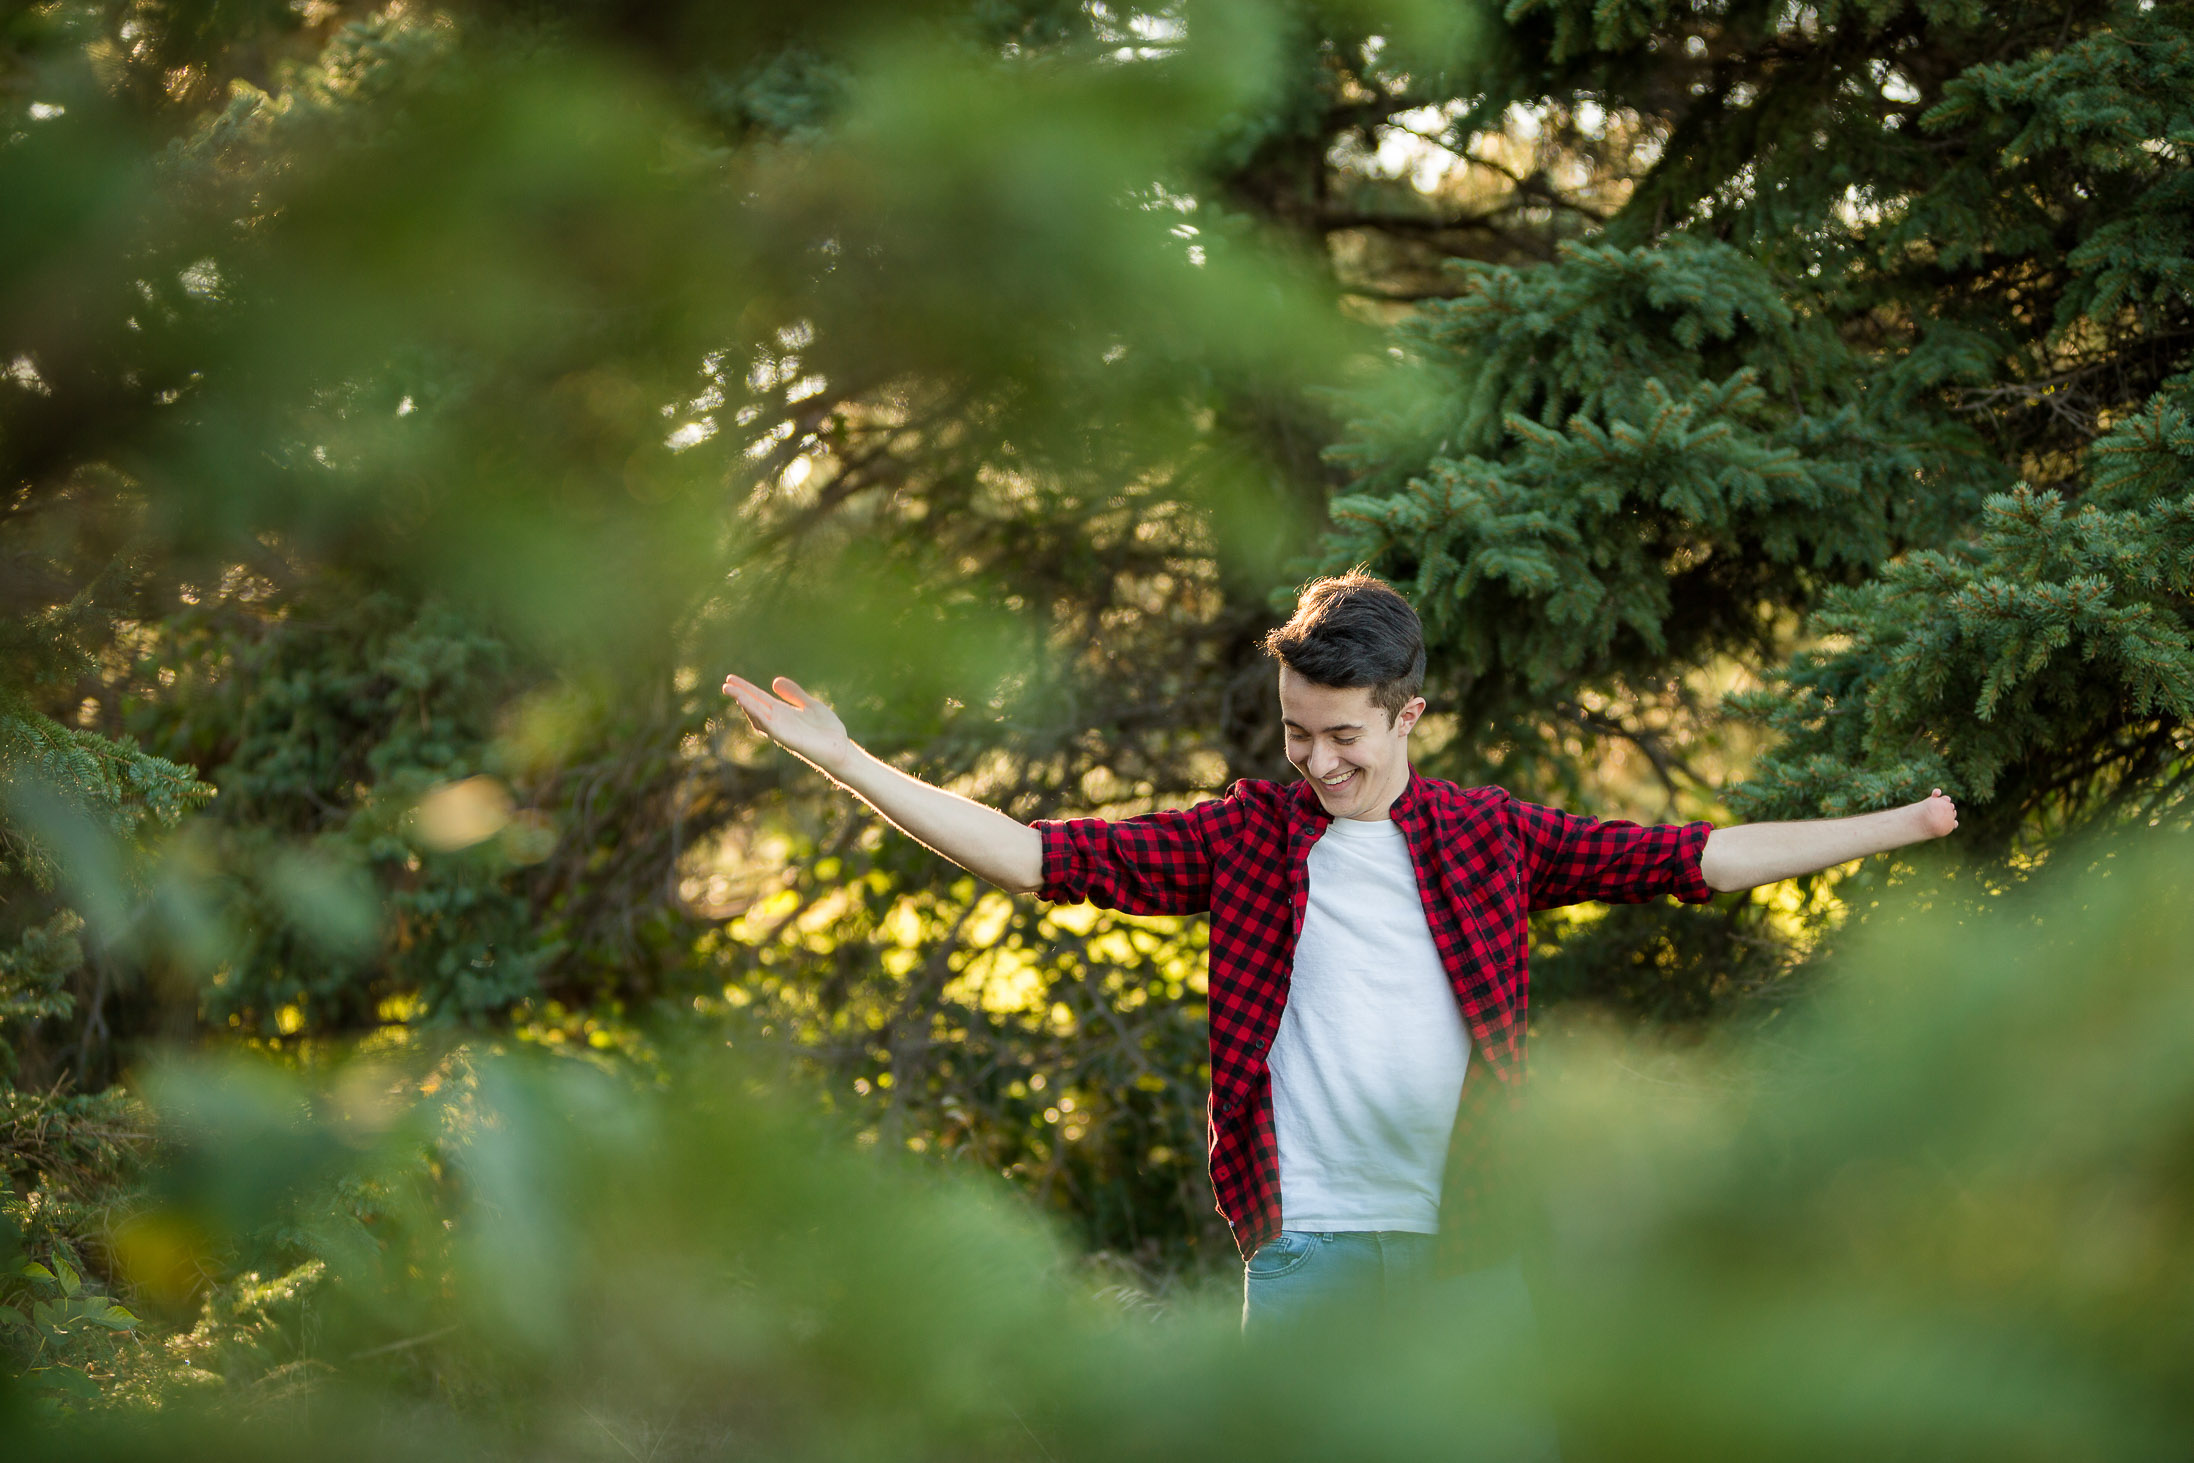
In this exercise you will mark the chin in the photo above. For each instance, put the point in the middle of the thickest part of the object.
(1342, 797)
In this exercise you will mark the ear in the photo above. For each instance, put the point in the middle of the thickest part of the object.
(1407, 716)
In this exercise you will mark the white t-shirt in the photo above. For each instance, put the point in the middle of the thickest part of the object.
(1371, 1051)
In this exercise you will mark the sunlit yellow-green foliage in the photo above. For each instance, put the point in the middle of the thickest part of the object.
(1061, 1045)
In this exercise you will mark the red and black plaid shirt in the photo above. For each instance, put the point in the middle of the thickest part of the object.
(1484, 860)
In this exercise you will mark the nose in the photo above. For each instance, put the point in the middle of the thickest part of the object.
(1323, 762)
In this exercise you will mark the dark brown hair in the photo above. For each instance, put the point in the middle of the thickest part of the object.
(1353, 630)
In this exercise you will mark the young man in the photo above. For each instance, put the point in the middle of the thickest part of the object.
(1368, 946)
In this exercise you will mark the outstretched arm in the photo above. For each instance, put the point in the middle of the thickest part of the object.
(981, 840)
(1761, 853)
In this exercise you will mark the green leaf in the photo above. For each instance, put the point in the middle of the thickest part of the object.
(68, 1380)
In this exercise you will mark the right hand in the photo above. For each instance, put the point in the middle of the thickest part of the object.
(793, 719)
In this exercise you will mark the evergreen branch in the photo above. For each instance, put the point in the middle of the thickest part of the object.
(1665, 762)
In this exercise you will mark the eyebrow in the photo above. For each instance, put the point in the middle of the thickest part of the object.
(1289, 721)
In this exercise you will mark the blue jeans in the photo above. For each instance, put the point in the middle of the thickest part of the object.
(1302, 1273)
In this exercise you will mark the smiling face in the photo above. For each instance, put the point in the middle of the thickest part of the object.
(1356, 760)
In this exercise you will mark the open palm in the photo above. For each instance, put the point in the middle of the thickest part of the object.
(793, 718)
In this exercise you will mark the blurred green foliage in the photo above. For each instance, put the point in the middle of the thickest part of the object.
(58, 1331)
(1942, 1211)
(408, 412)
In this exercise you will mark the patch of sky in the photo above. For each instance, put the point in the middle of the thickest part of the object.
(760, 446)
(23, 371)
(692, 434)
(202, 280)
(1894, 84)
(1413, 145)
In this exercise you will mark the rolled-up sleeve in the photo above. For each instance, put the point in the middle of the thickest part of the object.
(1573, 859)
(1158, 863)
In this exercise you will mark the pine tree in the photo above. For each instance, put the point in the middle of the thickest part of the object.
(1872, 387)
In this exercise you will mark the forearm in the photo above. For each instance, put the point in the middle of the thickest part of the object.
(1761, 853)
(984, 841)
